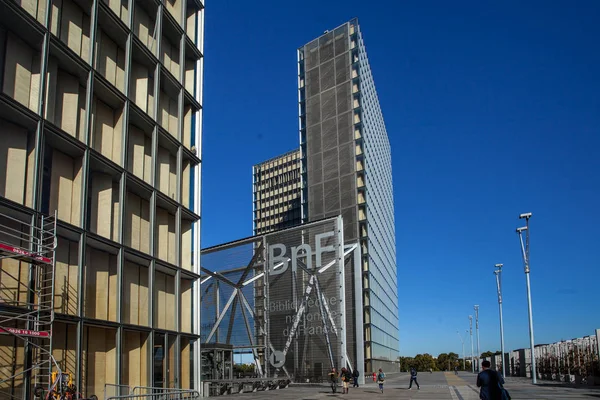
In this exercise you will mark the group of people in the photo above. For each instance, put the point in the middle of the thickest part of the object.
(346, 375)
(489, 381)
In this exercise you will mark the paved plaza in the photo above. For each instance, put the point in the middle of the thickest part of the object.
(434, 386)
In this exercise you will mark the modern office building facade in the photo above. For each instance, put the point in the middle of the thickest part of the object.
(347, 171)
(276, 193)
(100, 123)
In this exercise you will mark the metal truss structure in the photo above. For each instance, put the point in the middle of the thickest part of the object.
(300, 294)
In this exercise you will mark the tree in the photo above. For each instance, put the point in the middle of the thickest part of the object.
(447, 362)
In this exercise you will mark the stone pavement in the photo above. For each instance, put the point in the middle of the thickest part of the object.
(434, 386)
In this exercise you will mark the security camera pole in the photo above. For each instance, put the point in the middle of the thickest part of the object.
(463, 347)
(476, 308)
(498, 274)
(471, 334)
(525, 254)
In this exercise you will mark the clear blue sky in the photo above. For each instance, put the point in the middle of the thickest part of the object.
(492, 109)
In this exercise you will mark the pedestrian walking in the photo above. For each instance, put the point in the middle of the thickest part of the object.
(490, 383)
(346, 377)
(333, 375)
(355, 375)
(455, 370)
(380, 379)
(413, 377)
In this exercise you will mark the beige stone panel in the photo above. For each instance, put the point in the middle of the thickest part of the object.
(144, 297)
(17, 70)
(150, 110)
(73, 278)
(97, 285)
(55, 17)
(161, 301)
(34, 95)
(135, 163)
(115, 211)
(191, 23)
(71, 31)
(175, 62)
(9, 276)
(30, 169)
(164, 108)
(185, 183)
(174, 8)
(82, 114)
(172, 356)
(132, 231)
(190, 66)
(172, 241)
(186, 245)
(13, 158)
(170, 303)
(173, 177)
(164, 166)
(103, 130)
(145, 226)
(29, 5)
(112, 288)
(139, 79)
(76, 197)
(64, 346)
(117, 140)
(61, 185)
(173, 117)
(162, 244)
(131, 359)
(166, 53)
(142, 25)
(187, 127)
(148, 160)
(107, 57)
(131, 293)
(67, 98)
(111, 358)
(186, 355)
(186, 305)
(120, 72)
(61, 277)
(85, 38)
(51, 94)
(101, 204)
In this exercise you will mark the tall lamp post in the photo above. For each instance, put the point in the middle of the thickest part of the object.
(476, 308)
(498, 273)
(463, 348)
(471, 335)
(525, 254)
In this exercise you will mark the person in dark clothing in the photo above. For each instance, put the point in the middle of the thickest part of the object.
(413, 377)
(355, 375)
(489, 381)
(333, 375)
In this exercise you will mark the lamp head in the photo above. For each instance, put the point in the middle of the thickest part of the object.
(499, 265)
(521, 229)
(525, 216)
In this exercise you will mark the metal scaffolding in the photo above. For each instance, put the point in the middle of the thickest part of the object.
(27, 307)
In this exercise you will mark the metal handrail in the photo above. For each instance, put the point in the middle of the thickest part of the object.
(167, 394)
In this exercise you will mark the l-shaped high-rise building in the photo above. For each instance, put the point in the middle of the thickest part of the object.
(347, 170)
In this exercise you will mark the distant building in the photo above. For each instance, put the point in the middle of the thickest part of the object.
(276, 193)
(347, 170)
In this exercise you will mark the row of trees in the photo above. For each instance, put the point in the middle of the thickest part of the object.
(426, 362)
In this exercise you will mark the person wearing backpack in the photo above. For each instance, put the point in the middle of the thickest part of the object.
(380, 379)
(413, 377)
(491, 383)
(355, 375)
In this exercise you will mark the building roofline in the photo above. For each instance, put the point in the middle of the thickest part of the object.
(276, 157)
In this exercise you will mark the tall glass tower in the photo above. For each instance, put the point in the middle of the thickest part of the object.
(347, 170)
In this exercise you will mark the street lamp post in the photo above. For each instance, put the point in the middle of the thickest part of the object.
(525, 254)
(471, 335)
(476, 308)
(463, 348)
(498, 274)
